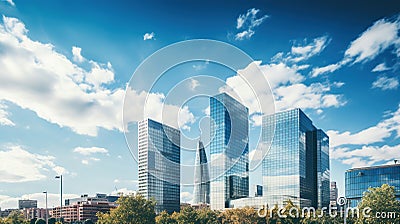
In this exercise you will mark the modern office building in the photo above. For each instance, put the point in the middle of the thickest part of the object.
(27, 204)
(358, 180)
(296, 167)
(229, 149)
(333, 194)
(159, 164)
(83, 208)
(201, 177)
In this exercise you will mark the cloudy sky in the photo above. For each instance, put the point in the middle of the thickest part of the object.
(65, 66)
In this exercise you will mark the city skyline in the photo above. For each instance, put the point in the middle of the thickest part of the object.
(65, 69)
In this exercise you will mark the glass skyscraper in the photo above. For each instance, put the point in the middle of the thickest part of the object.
(159, 164)
(229, 151)
(201, 177)
(296, 167)
(358, 180)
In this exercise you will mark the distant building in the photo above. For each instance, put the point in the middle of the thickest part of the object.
(80, 209)
(4, 213)
(39, 213)
(201, 177)
(98, 197)
(159, 164)
(296, 167)
(333, 193)
(258, 191)
(27, 204)
(229, 151)
(358, 180)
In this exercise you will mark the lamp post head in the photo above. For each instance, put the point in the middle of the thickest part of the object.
(58, 177)
(44, 192)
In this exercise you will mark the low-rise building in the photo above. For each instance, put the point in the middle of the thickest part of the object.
(31, 213)
(4, 213)
(85, 207)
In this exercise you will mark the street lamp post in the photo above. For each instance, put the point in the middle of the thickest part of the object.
(47, 214)
(60, 177)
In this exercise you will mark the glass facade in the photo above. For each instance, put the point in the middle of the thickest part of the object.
(358, 180)
(159, 164)
(229, 151)
(323, 171)
(296, 167)
(201, 177)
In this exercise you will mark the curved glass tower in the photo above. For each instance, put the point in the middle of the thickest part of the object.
(201, 177)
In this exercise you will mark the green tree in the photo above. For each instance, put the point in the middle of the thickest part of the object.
(208, 216)
(379, 201)
(131, 210)
(241, 215)
(52, 220)
(187, 215)
(40, 221)
(165, 218)
(16, 217)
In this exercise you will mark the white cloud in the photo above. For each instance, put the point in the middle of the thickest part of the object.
(370, 135)
(154, 107)
(193, 84)
(10, 2)
(373, 41)
(380, 68)
(149, 36)
(326, 69)
(90, 150)
(53, 199)
(247, 23)
(300, 52)
(366, 155)
(246, 34)
(286, 86)
(314, 96)
(87, 160)
(99, 74)
(19, 165)
(4, 116)
(386, 83)
(76, 53)
(186, 197)
(207, 111)
(36, 77)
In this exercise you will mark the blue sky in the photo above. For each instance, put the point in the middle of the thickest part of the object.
(65, 65)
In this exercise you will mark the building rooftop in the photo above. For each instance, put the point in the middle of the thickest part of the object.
(373, 167)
